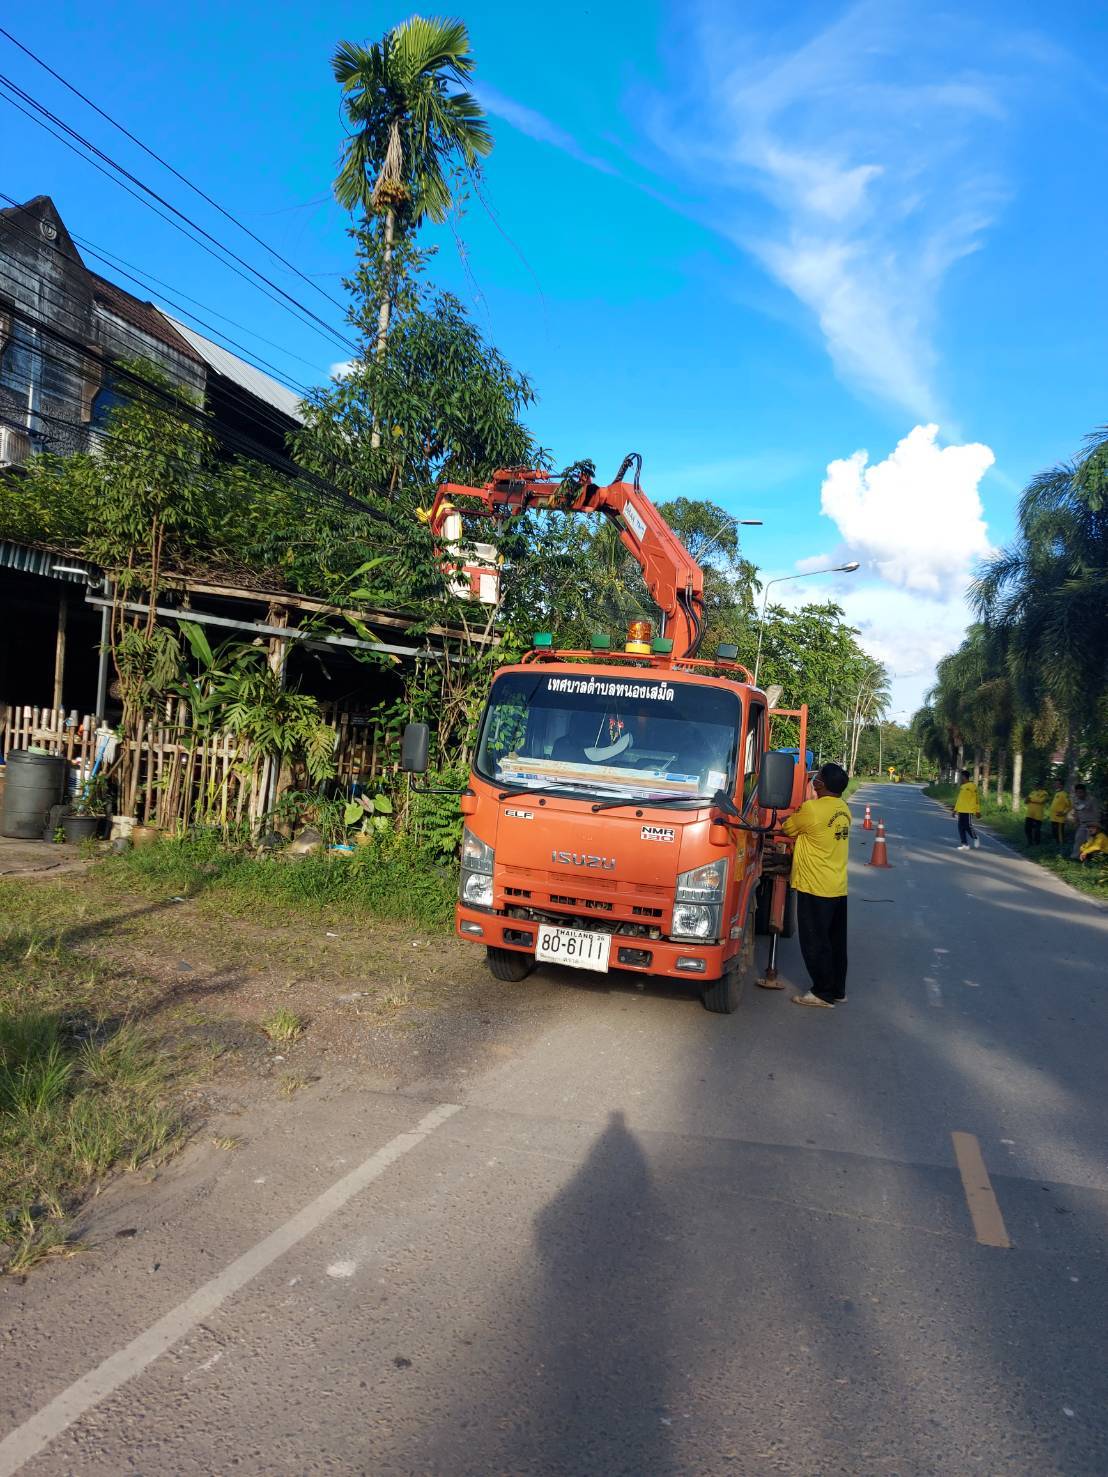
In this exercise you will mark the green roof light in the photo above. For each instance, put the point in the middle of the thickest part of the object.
(601, 641)
(542, 641)
(661, 646)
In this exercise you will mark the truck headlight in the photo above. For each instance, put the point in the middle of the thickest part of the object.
(477, 855)
(703, 884)
(476, 889)
(694, 921)
(475, 882)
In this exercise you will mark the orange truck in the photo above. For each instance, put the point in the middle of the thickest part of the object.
(624, 805)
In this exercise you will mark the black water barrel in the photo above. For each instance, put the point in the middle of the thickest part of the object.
(34, 783)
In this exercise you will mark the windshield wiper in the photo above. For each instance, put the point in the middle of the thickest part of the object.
(661, 800)
(523, 790)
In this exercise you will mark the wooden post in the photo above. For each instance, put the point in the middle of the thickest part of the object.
(59, 648)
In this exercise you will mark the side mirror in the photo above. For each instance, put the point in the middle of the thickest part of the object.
(775, 782)
(413, 750)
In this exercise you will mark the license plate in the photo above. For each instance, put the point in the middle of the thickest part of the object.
(574, 946)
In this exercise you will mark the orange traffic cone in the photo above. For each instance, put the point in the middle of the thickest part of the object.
(867, 824)
(880, 857)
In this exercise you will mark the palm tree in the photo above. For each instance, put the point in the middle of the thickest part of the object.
(1048, 593)
(406, 127)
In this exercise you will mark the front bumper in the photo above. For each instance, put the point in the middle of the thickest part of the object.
(638, 955)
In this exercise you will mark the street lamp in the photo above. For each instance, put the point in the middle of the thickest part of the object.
(780, 580)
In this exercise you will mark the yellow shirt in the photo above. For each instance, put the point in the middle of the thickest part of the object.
(1059, 807)
(967, 802)
(1097, 843)
(1035, 802)
(822, 831)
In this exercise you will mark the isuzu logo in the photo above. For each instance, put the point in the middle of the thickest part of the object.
(581, 859)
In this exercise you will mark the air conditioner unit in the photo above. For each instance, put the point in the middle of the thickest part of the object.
(15, 446)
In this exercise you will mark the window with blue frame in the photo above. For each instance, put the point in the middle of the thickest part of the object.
(106, 399)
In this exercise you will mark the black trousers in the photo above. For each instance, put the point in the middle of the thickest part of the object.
(1033, 830)
(821, 924)
(966, 833)
(1058, 831)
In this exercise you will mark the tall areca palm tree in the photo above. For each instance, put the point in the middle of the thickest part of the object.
(406, 127)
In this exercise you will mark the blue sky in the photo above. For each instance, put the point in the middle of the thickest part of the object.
(749, 241)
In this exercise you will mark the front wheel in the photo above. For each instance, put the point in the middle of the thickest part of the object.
(723, 996)
(508, 964)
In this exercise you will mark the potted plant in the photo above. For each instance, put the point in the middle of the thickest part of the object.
(83, 819)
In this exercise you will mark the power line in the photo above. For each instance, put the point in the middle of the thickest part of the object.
(256, 361)
(252, 407)
(251, 272)
(304, 277)
(196, 416)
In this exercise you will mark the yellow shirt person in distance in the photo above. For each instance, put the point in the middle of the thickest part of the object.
(1059, 809)
(1034, 811)
(821, 829)
(966, 806)
(1096, 846)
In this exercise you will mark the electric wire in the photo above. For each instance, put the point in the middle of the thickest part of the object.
(244, 268)
(304, 277)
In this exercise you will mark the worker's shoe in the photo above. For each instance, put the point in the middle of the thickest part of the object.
(963, 847)
(809, 999)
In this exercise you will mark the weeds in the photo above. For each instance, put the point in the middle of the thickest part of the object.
(82, 1092)
(227, 1143)
(289, 1085)
(283, 1026)
(390, 880)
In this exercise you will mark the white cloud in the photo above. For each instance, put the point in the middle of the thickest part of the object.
(916, 517)
(915, 522)
(867, 145)
(343, 369)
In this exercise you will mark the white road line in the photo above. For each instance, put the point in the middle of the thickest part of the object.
(33, 1435)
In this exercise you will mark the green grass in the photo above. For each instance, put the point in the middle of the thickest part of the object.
(283, 1026)
(398, 883)
(1091, 878)
(84, 1091)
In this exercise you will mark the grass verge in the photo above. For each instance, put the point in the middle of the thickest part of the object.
(399, 884)
(1090, 878)
(84, 1090)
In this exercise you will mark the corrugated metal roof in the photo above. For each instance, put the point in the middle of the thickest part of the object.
(44, 562)
(243, 374)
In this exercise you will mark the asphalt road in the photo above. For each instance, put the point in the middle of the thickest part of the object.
(647, 1240)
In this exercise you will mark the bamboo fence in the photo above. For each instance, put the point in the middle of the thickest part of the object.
(184, 775)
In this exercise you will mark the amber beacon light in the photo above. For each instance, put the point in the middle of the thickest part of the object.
(638, 638)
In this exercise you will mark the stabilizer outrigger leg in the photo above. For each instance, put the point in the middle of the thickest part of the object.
(769, 980)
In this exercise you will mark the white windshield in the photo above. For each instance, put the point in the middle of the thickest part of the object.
(638, 735)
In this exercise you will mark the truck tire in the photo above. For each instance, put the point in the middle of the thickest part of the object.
(508, 964)
(723, 996)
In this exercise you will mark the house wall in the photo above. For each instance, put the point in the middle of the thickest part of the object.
(43, 276)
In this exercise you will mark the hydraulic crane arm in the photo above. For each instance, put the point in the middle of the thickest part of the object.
(674, 579)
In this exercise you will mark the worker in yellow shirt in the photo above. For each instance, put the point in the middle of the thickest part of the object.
(822, 831)
(966, 806)
(1034, 810)
(1096, 846)
(1059, 809)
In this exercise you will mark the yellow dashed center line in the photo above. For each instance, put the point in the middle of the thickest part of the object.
(988, 1223)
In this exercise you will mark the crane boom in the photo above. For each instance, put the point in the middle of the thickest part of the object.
(673, 578)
